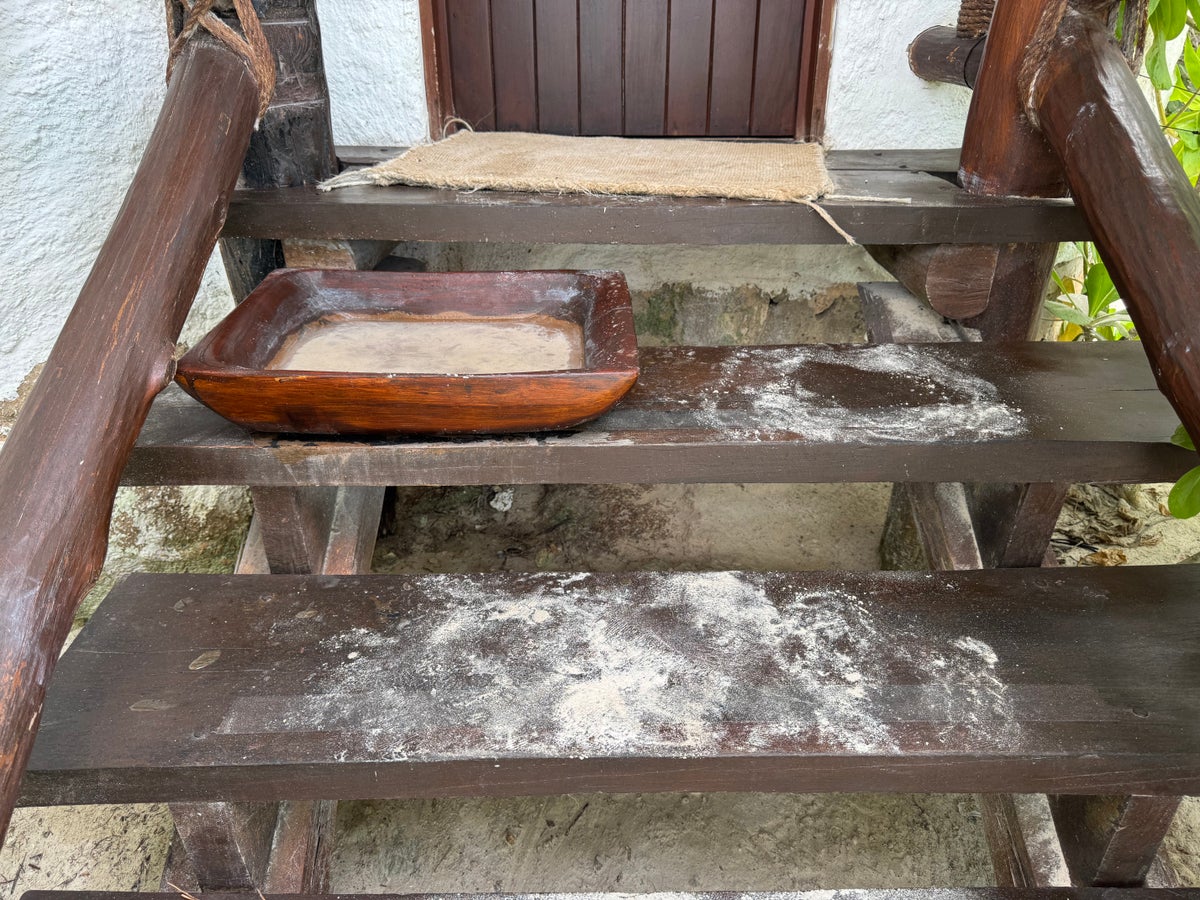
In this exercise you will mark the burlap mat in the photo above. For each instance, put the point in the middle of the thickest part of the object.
(547, 163)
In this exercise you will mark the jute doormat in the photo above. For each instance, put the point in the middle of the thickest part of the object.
(546, 163)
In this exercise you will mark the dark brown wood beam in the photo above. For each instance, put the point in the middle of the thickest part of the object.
(293, 144)
(62, 462)
(1003, 153)
(1112, 841)
(1143, 211)
(956, 279)
(939, 54)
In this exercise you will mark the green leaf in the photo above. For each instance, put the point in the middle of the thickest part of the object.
(1181, 438)
(1068, 313)
(1169, 18)
(1099, 288)
(1193, 7)
(1191, 59)
(1191, 163)
(1184, 499)
(1156, 62)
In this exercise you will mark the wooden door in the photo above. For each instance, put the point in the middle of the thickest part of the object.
(720, 68)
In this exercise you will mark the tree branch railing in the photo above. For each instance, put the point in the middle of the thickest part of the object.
(60, 466)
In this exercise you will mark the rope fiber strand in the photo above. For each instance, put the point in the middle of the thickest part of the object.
(251, 44)
(974, 17)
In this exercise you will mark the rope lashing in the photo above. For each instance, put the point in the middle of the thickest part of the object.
(251, 44)
(974, 17)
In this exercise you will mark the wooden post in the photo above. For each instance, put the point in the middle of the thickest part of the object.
(1112, 841)
(1003, 153)
(61, 464)
(954, 278)
(939, 54)
(293, 144)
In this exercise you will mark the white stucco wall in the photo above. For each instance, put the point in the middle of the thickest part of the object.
(875, 101)
(83, 84)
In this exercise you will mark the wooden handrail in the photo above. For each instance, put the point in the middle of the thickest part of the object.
(1142, 209)
(60, 467)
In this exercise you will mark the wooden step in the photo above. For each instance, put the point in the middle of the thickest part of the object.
(963, 412)
(989, 893)
(881, 197)
(192, 687)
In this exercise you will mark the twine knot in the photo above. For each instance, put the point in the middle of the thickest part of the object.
(251, 44)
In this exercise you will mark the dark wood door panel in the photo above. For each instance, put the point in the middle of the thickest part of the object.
(601, 100)
(689, 64)
(732, 69)
(729, 68)
(557, 38)
(468, 23)
(514, 67)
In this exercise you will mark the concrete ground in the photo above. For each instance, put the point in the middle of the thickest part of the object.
(634, 842)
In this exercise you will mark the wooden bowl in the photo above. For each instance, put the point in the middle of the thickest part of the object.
(235, 370)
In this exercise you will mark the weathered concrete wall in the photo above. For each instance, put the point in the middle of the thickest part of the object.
(754, 294)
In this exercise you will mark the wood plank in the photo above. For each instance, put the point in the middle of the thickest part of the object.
(944, 161)
(645, 67)
(1065, 680)
(469, 31)
(558, 66)
(732, 68)
(706, 414)
(926, 209)
(601, 51)
(514, 61)
(216, 844)
(691, 34)
(777, 67)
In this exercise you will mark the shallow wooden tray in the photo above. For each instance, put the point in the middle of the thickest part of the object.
(229, 369)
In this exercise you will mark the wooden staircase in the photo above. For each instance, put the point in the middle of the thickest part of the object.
(249, 701)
